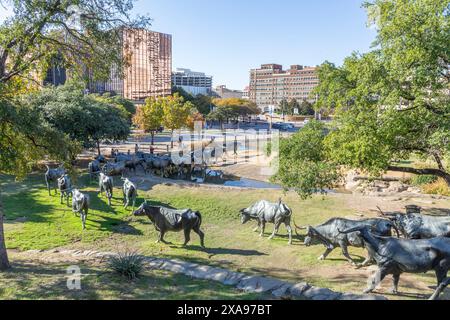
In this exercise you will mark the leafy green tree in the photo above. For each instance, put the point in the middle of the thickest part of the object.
(126, 106)
(83, 118)
(149, 117)
(183, 93)
(222, 114)
(203, 104)
(86, 34)
(176, 112)
(391, 103)
(293, 104)
(236, 107)
(284, 107)
(304, 163)
(306, 108)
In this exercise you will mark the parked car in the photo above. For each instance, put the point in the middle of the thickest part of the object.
(282, 126)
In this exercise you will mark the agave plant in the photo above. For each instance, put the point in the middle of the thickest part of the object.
(127, 264)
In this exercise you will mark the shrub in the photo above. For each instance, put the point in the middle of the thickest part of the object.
(421, 180)
(439, 187)
(127, 264)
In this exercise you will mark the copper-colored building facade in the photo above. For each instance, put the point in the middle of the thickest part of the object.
(148, 72)
(270, 84)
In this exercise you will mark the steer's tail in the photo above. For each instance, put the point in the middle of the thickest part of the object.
(199, 219)
(297, 227)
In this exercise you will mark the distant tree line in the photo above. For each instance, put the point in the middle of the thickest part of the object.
(288, 108)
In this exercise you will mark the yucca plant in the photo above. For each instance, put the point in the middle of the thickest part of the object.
(127, 264)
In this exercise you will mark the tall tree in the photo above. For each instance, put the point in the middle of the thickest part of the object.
(126, 106)
(391, 103)
(86, 34)
(304, 163)
(149, 117)
(84, 118)
(203, 104)
(176, 112)
(222, 114)
(306, 108)
(293, 104)
(237, 107)
(284, 107)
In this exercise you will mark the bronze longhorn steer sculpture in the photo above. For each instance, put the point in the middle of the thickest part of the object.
(94, 168)
(129, 190)
(414, 225)
(114, 169)
(267, 212)
(396, 256)
(80, 205)
(65, 188)
(106, 184)
(52, 175)
(165, 220)
(328, 234)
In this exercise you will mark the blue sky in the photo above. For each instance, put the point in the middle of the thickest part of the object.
(226, 38)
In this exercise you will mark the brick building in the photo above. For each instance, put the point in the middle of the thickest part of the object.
(270, 84)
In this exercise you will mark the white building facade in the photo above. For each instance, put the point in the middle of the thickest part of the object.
(192, 82)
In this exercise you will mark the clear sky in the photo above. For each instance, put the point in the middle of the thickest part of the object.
(226, 38)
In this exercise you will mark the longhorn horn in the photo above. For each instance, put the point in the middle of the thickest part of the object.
(381, 211)
(384, 214)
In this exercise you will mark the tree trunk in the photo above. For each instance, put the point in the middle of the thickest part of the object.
(434, 172)
(171, 140)
(98, 147)
(153, 138)
(4, 262)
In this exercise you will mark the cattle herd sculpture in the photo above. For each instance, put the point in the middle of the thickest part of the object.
(421, 243)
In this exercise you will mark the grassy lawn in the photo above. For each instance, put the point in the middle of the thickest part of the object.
(35, 280)
(37, 221)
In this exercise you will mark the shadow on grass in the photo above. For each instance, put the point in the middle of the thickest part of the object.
(26, 205)
(224, 251)
(106, 222)
(49, 281)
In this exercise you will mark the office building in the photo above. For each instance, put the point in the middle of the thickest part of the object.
(148, 70)
(270, 84)
(192, 82)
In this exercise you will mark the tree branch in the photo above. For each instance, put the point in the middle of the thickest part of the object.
(429, 171)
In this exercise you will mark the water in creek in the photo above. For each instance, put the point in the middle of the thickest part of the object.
(217, 177)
